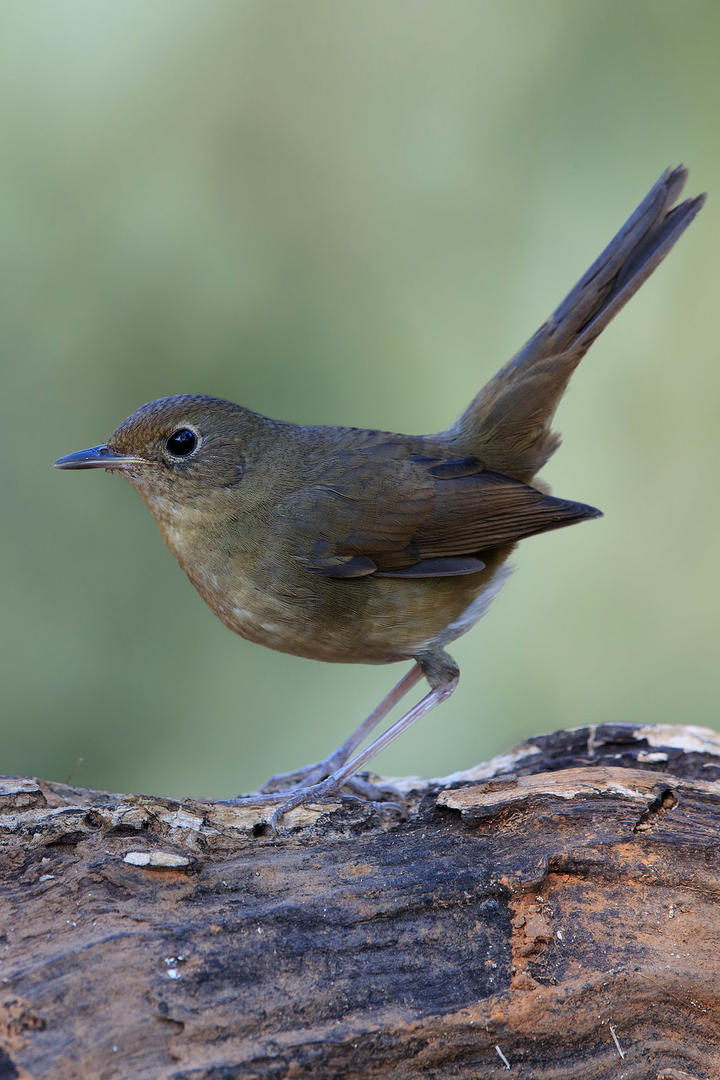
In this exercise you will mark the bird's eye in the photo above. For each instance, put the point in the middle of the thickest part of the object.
(182, 442)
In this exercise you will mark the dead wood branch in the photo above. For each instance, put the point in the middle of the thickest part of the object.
(554, 913)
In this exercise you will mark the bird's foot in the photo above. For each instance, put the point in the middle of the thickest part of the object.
(305, 777)
(314, 781)
(286, 798)
(355, 788)
(326, 789)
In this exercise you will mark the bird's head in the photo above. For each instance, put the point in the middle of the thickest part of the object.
(179, 447)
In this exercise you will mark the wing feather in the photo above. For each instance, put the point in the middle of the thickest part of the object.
(418, 517)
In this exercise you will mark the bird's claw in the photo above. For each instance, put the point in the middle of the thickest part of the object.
(308, 776)
(326, 789)
(354, 788)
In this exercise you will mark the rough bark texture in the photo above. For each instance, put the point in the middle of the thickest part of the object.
(553, 913)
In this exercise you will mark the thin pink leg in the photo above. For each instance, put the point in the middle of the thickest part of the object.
(398, 692)
(310, 774)
(433, 698)
(333, 783)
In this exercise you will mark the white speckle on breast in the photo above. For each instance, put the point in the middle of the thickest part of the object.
(272, 630)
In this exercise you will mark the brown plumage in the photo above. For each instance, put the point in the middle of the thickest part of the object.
(349, 545)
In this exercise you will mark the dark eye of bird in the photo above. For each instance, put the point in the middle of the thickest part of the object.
(182, 442)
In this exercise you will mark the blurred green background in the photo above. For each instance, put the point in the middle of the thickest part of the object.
(345, 213)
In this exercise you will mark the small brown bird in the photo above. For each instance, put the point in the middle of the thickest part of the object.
(358, 546)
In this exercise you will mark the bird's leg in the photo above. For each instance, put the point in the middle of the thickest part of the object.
(311, 774)
(442, 673)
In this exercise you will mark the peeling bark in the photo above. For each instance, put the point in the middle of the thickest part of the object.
(551, 914)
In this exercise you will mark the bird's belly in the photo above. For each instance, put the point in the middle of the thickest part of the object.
(366, 620)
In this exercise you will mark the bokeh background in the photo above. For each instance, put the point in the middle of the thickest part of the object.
(353, 213)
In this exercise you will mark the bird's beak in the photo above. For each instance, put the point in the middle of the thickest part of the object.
(97, 457)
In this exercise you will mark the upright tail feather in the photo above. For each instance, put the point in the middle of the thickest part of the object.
(507, 426)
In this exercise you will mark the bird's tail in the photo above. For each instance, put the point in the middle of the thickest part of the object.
(507, 426)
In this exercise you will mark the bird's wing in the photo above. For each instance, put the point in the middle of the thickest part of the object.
(421, 517)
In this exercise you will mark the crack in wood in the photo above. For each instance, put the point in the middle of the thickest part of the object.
(665, 801)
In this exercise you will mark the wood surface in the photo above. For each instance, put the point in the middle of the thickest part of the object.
(552, 914)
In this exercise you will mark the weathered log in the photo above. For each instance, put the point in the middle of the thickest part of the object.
(554, 913)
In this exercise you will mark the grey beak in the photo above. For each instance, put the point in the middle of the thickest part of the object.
(97, 457)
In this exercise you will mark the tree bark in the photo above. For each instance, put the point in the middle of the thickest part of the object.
(551, 914)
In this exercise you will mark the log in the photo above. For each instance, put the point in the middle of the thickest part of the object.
(551, 914)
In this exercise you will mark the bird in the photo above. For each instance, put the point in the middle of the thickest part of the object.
(362, 546)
